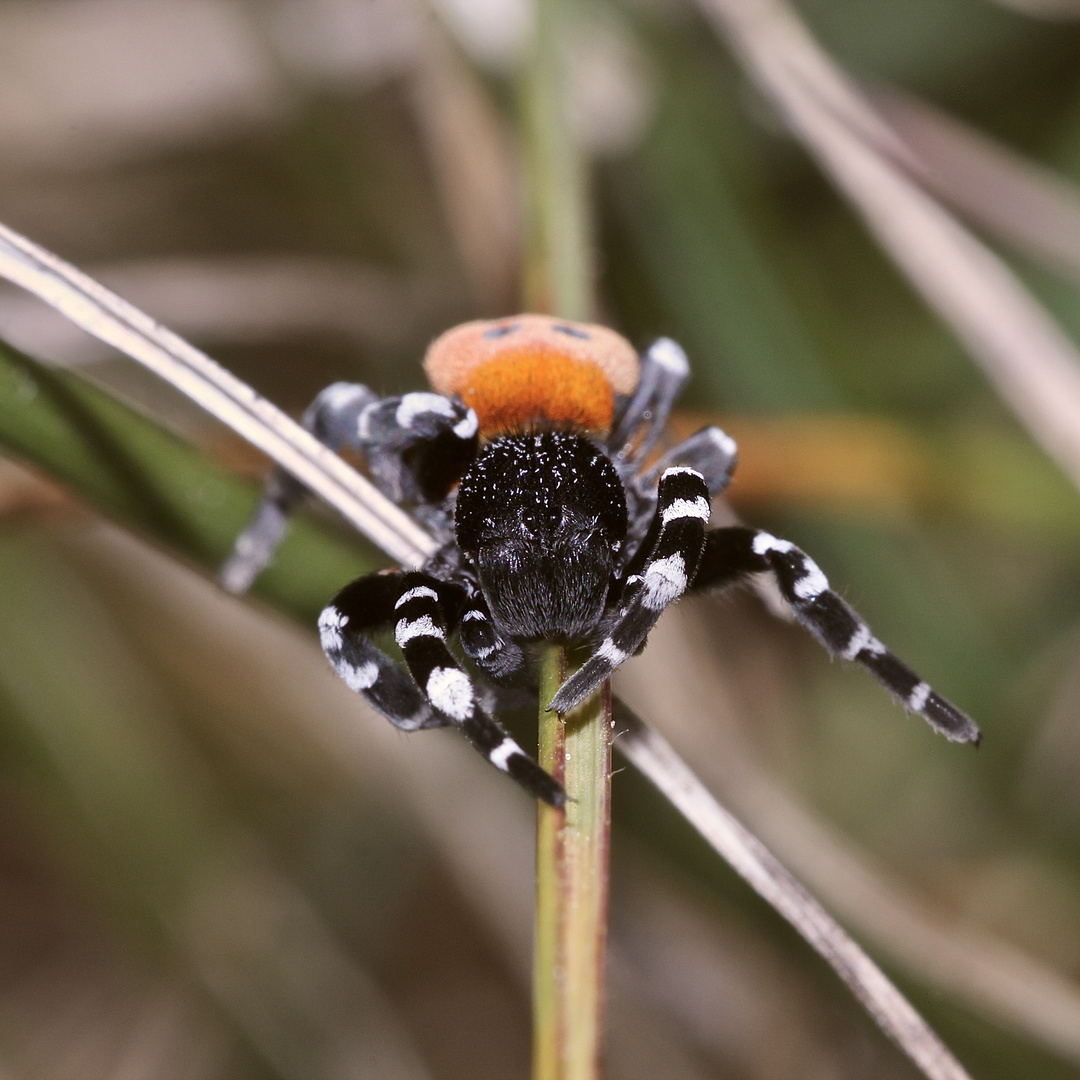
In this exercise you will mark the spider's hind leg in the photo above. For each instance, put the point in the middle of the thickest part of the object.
(423, 610)
(345, 624)
(733, 553)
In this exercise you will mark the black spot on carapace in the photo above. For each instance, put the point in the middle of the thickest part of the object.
(572, 331)
(500, 331)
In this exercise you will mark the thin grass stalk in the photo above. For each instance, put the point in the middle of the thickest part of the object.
(572, 848)
(656, 759)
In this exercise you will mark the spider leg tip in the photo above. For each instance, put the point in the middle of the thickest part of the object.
(966, 731)
(559, 703)
(564, 703)
(550, 791)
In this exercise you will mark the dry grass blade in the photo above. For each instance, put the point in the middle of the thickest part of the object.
(1024, 203)
(1001, 980)
(976, 967)
(235, 299)
(774, 43)
(1033, 365)
(232, 401)
(653, 756)
(114, 321)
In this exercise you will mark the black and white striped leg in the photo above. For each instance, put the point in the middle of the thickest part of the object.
(668, 563)
(417, 446)
(439, 693)
(255, 546)
(664, 370)
(482, 643)
(731, 554)
(332, 418)
(711, 452)
(421, 634)
(345, 626)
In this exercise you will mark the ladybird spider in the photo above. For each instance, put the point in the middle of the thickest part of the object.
(528, 464)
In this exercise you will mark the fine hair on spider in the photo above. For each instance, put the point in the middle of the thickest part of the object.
(527, 462)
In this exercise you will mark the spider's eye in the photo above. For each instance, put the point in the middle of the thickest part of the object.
(500, 331)
(572, 331)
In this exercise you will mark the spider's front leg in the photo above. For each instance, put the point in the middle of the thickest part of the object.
(731, 554)
(498, 656)
(423, 610)
(417, 446)
(658, 575)
(710, 451)
(332, 419)
(640, 422)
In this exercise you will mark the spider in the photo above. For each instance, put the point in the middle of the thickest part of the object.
(530, 464)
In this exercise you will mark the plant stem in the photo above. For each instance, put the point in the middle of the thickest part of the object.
(548, 983)
(558, 272)
(572, 844)
(572, 882)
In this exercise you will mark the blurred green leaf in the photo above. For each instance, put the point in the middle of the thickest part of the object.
(149, 481)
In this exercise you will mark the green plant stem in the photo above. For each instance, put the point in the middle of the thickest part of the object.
(572, 882)
(572, 844)
(558, 271)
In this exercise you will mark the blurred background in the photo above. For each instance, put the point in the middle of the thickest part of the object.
(216, 862)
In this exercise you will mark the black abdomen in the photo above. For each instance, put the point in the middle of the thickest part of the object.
(542, 518)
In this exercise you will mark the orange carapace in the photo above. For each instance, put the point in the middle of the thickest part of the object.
(534, 370)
